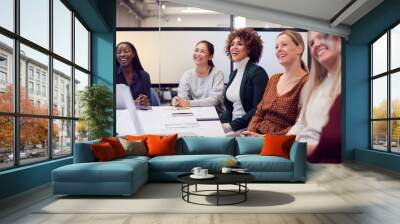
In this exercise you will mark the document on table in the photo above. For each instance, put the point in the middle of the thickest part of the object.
(205, 113)
(182, 113)
(180, 122)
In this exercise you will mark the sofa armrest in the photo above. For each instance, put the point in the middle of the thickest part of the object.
(298, 155)
(83, 152)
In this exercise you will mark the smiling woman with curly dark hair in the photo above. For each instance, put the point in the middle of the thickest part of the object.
(251, 40)
(247, 82)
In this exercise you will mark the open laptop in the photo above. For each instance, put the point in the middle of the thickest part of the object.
(128, 121)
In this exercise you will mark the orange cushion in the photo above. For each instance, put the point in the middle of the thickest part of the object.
(103, 151)
(136, 137)
(116, 145)
(277, 145)
(161, 145)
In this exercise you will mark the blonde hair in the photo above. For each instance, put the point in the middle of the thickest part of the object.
(317, 75)
(298, 41)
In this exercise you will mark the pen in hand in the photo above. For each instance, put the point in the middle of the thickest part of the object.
(175, 101)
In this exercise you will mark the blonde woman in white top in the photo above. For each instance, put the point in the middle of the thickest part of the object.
(203, 85)
(321, 89)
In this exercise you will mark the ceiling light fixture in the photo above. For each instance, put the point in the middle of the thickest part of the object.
(196, 11)
(239, 22)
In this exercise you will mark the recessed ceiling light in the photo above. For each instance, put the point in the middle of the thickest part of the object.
(163, 6)
(179, 19)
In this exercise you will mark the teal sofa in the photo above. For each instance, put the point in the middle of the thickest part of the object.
(125, 176)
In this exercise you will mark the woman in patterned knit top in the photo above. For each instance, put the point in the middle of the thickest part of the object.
(279, 108)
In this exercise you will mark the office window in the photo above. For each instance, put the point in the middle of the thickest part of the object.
(81, 132)
(37, 89)
(3, 72)
(63, 73)
(44, 91)
(6, 142)
(395, 47)
(55, 98)
(81, 81)
(40, 62)
(3, 61)
(44, 132)
(379, 56)
(6, 73)
(62, 137)
(7, 14)
(37, 74)
(34, 21)
(62, 29)
(33, 140)
(3, 78)
(30, 87)
(81, 45)
(3, 81)
(30, 73)
(385, 94)
(44, 77)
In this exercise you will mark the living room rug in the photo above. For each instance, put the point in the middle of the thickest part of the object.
(166, 198)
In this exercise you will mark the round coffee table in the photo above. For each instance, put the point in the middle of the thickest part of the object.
(238, 179)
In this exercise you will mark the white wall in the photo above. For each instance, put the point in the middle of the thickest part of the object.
(148, 49)
(174, 55)
(268, 60)
(208, 20)
(167, 54)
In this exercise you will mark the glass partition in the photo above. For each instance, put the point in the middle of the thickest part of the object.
(165, 35)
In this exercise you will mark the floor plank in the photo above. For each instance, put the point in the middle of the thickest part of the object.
(377, 190)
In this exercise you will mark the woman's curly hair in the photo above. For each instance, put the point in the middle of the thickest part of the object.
(251, 39)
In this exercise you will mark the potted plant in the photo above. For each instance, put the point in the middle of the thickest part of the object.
(96, 103)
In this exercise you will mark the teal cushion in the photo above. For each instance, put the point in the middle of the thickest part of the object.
(83, 152)
(185, 163)
(257, 163)
(249, 145)
(133, 158)
(195, 145)
(111, 171)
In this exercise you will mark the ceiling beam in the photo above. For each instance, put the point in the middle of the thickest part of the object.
(346, 12)
(133, 8)
(269, 15)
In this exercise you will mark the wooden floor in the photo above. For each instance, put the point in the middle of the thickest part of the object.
(377, 188)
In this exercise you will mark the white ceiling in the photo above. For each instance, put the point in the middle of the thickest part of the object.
(307, 14)
(317, 15)
(321, 9)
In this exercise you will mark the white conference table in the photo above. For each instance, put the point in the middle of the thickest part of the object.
(195, 121)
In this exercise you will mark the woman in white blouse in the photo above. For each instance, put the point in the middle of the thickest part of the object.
(203, 85)
(322, 88)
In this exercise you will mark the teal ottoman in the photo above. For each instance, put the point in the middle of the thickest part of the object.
(118, 177)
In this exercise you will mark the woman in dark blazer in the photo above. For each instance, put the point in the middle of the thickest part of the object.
(131, 73)
(247, 82)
